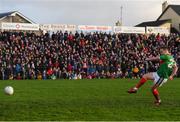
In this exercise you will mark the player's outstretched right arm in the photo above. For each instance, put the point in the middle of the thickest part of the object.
(153, 59)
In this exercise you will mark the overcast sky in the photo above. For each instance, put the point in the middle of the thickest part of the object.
(86, 12)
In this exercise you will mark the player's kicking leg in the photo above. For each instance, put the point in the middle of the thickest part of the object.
(158, 82)
(145, 77)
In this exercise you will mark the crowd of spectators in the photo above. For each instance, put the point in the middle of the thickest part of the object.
(81, 55)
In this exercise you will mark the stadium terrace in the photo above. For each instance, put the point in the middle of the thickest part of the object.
(64, 55)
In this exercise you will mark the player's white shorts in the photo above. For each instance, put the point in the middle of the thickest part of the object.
(158, 80)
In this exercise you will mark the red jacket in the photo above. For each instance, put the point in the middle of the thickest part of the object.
(50, 72)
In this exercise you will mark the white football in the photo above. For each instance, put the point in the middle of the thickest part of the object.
(9, 90)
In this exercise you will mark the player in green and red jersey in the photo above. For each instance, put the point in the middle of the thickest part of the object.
(167, 70)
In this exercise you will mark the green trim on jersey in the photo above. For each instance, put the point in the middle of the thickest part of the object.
(166, 67)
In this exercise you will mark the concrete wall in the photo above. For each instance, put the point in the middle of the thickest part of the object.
(175, 18)
(15, 19)
(168, 25)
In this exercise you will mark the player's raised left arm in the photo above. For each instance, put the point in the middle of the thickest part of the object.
(175, 69)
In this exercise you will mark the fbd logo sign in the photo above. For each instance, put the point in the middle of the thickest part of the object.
(17, 26)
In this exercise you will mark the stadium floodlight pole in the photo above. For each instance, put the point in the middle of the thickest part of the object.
(121, 15)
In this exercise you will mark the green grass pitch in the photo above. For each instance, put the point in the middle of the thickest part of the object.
(105, 99)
